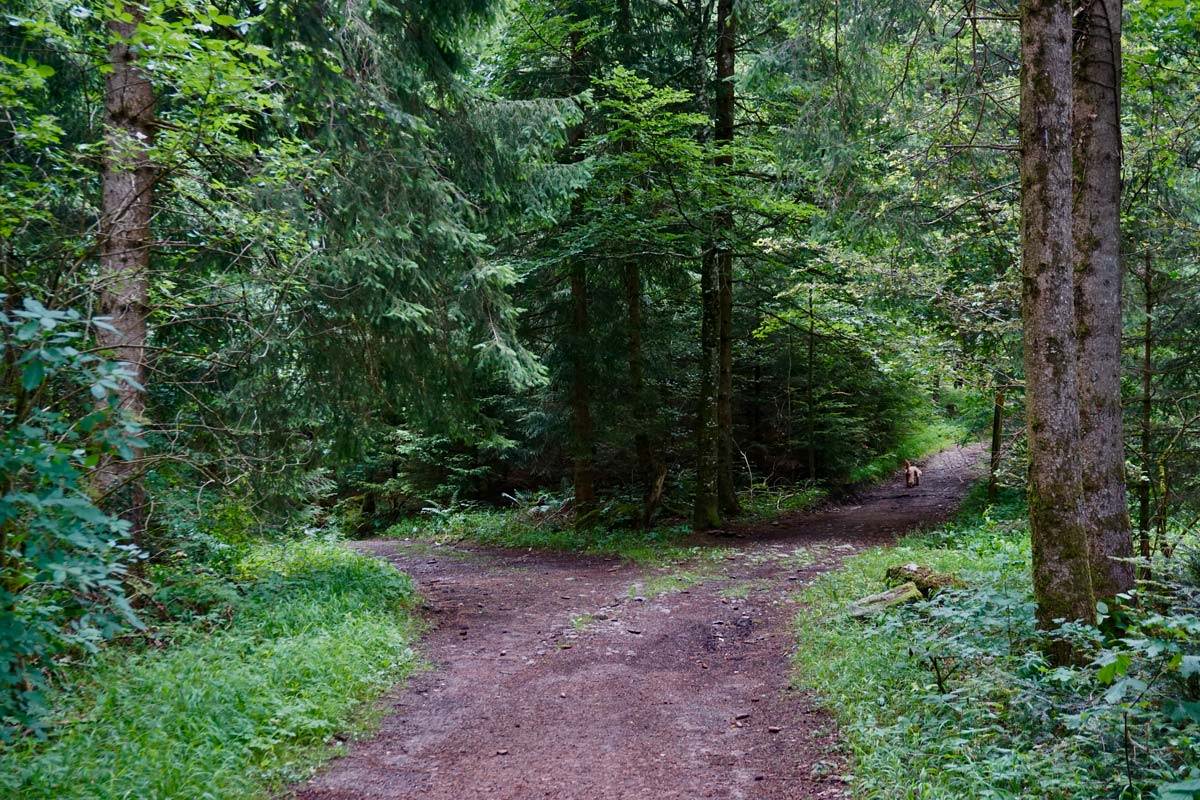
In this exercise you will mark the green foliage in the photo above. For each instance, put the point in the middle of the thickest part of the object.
(62, 559)
(918, 440)
(953, 698)
(765, 502)
(410, 471)
(542, 526)
(314, 634)
(365, 216)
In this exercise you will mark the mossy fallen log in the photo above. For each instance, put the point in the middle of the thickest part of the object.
(874, 604)
(928, 581)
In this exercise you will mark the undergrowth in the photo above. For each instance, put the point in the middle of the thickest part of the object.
(919, 442)
(952, 698)
(545, 522)
(529, 528)
(761, 502)
(235, 704)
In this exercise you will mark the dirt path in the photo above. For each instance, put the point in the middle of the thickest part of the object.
(579, 678)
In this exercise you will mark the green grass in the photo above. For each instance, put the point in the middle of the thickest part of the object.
(513, 529)
(920, 441)
(901, 742)
(658, 585)
(699, 565)
(742, 589)
(232, 712)
(1000, 722)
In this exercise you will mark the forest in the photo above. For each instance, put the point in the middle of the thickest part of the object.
(600, 399)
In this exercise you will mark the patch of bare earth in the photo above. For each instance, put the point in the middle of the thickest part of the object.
(581, 678)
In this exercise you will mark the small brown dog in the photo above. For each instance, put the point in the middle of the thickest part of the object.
(912, 474)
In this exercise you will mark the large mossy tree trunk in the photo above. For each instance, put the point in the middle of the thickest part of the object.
(126, 206)
(1097, 244)
(723, 225)
(1061, 568)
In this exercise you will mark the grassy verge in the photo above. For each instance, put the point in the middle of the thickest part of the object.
(516, 529)
(235, 711)
(951, 698)
(543, 528)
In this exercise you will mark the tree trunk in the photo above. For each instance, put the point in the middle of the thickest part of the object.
(1061, 571)
(810, 406)
(650, 473)
(1147, 432)
(126, 196)
(705, 510)
(723, 223)
(625, 32)
(647, 472)
(582, 434)
(1097, 243)
(997, 442)
(581, 411)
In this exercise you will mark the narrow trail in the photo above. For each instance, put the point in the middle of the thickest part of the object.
(582, 678)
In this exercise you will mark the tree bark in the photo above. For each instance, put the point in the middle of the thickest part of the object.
(810, 405)
(1147, 407)
(1061, 570)
(647, 470)
(1097, 241)
(997, 442)
(650, 473)
(705, 509)
(723, 223)
(126, 197)
(582, 433)
(581, 410)
(625, 32)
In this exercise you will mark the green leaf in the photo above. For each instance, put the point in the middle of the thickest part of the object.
(33, 375)
(1114, 666)
(1189, 666)
(1184, 711)
(1182, 790)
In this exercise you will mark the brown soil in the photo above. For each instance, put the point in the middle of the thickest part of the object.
(660, 689)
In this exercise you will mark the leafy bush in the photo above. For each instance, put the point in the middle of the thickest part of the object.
(315, 632)
(62, 559)
(952, 698)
